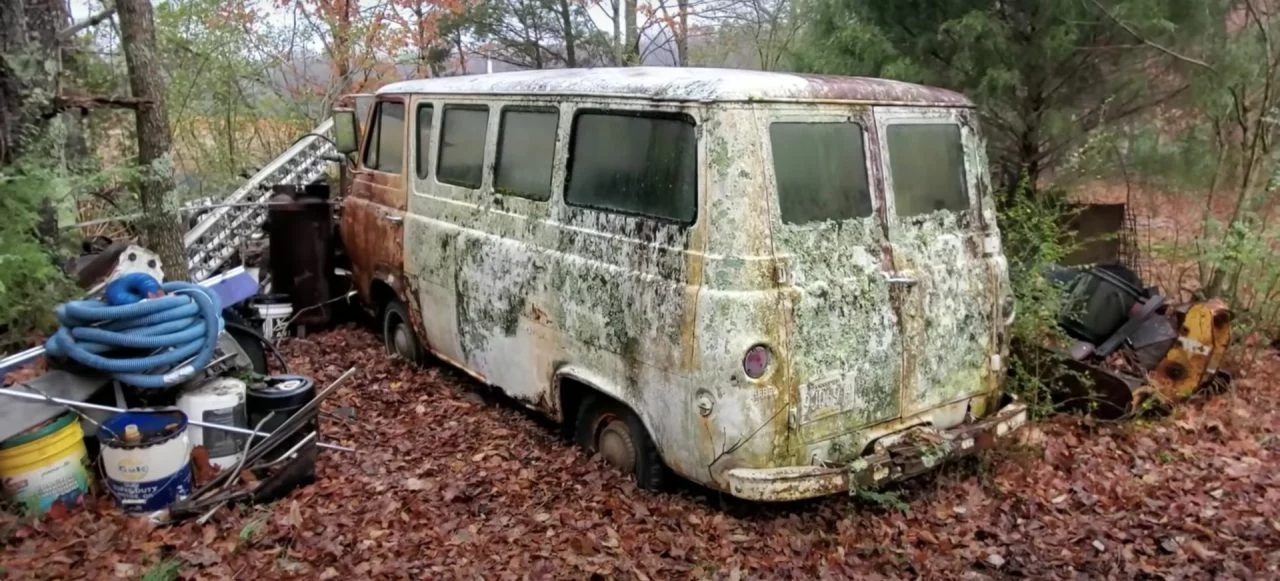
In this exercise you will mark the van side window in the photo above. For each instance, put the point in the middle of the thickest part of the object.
(634, 163)
(927, 164)
(526, 152)
(423, 144)
(461, 161)
(385, 149)
(821, 170)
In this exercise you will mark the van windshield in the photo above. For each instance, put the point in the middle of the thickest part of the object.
(927, 163)
(821, 171)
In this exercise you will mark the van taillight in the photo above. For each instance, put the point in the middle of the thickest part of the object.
(757, 361)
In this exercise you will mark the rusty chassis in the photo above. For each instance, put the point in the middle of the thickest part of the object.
(894, 458)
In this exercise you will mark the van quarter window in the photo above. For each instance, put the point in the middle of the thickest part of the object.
(385, 150)
(462, 145)
(634, 163)
(424, 139)
(821, 169)
(526, 151)
(927, 161)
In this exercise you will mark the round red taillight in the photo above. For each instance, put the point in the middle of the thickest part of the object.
(757, 361)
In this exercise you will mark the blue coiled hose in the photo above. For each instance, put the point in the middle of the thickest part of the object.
(179, 326)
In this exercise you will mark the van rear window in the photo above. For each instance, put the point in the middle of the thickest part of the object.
(634, 163)
(927, 164)
(821, 171)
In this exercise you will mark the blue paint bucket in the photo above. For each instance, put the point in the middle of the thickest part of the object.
(146, 458)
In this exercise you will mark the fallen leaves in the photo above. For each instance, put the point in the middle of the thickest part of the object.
(414, 484)
(449, 484)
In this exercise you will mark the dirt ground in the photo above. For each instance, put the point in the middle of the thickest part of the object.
(451, 484)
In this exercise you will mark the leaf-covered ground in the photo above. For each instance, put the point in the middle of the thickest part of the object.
(452, 485)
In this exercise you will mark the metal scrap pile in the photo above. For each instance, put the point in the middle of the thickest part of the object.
(186, 394)
(1130, 349)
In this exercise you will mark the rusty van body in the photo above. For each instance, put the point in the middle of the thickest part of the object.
(780, 286)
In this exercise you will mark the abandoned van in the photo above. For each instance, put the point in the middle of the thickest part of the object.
(776, 285)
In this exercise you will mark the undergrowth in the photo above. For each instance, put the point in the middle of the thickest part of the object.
(31, 282)
(1030, 225)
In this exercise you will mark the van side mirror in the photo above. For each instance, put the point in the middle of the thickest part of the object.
(345, 132)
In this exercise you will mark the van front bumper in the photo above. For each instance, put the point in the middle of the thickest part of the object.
(919, 450)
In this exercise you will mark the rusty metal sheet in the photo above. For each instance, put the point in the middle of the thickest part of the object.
(903, 455)
(372, 225)
(871, 90)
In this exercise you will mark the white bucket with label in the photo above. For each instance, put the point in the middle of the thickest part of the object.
(218, 401)
(151, 469)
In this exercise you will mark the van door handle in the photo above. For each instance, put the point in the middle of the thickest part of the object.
(900, 279)
(394, 219)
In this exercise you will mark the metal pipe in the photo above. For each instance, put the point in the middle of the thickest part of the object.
(286, 455)
(20, 358)
(104, 408)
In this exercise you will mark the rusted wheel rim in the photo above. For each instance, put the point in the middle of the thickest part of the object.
(401, 340)
(615, 444)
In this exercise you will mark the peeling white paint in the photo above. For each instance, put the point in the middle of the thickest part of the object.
(660, 315)
(683, 84)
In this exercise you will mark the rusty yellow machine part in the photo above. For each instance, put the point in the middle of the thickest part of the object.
(1197, 355)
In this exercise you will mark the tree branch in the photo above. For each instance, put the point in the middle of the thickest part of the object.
(86, 101)
(91, 21)
(1153, 44)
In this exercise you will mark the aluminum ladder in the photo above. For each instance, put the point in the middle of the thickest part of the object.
(220, 233)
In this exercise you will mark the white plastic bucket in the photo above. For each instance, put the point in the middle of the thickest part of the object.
(218, 401)
(150, 474)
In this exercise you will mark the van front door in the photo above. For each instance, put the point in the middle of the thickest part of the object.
(946, 290)
(373, 214)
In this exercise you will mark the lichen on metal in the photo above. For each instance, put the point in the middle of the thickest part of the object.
(658, 315)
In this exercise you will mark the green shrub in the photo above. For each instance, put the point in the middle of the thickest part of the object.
(31, 283)
(1030, 227)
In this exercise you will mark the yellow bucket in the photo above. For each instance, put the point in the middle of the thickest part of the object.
(46, 464)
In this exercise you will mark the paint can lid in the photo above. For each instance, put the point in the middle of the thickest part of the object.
(153, 427)
(282, 391)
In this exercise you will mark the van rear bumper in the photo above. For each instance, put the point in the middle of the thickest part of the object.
(919, 450)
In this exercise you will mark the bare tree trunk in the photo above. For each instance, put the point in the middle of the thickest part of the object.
(160, 224)
(631, 54)
(570, 38)
(12, 40)
(462, 52)
(29, 73)
(28, 70)
(618, 41)
(682, 35)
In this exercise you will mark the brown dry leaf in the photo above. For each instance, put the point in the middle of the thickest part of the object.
(505, 497)
(414, 484)
(200, 556)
